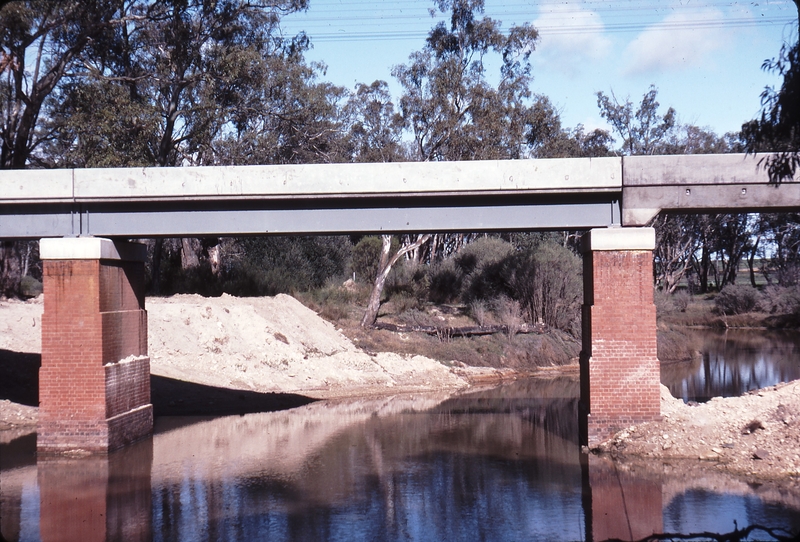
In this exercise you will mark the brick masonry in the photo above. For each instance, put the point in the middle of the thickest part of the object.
(620, 373)
(94, 383)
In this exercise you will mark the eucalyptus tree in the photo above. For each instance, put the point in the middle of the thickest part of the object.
(449, 103)
(41, 42)
(643, 130)
(452, 109)
(375, 128)
(778, 127)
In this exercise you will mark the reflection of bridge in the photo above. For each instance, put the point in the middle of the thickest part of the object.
(94, 389)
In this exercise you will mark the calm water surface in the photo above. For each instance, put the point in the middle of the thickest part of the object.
(501, 464)
(733, 362)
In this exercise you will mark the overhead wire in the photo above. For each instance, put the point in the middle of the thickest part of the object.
(406, 26)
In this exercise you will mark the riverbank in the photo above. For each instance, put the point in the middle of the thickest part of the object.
(755, 436)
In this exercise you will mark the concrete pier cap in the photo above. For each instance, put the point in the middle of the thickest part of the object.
(617, 238)
(91, 248)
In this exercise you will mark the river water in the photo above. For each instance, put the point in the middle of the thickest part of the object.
(493, 464)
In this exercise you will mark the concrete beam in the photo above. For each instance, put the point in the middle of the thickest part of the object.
(700, 183)
(564, 175)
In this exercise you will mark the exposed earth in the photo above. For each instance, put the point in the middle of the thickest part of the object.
(756, 436)
(280, 352)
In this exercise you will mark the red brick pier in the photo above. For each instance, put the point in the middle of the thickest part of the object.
(94, 383)
(620, 374)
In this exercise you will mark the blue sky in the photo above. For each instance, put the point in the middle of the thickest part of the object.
(704, 56)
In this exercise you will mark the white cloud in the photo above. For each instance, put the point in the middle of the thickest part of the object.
(570, 37)
(679, 41)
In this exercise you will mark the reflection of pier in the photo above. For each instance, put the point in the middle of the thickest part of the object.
(621, 503)
(97, 498)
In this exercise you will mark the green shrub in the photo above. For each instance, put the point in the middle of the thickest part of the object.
(366, 259)
(444, 282)
(273, 265)
(781, 300)
(482, 252)
(548, 283)
(30, 287)
(409, 280)
(737, 299)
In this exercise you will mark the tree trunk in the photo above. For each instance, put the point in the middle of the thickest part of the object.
(751, 262)
(189, 259)
(385, 267)
(158, 247)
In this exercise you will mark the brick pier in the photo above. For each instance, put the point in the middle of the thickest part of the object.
(620, 374)
(94, 383)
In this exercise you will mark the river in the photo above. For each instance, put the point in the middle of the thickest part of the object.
(490, 464)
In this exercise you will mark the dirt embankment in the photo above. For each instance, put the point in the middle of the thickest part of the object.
(756, 436)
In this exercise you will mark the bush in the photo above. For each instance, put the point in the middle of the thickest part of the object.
(737, 299)
(29, 287)
(548, 283)
(273, 265)
(444, 282)
(366, 259)
(781, 300)
(480, 264)
(407, 280)
(483, 252)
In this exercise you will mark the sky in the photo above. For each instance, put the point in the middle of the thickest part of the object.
(703, 56)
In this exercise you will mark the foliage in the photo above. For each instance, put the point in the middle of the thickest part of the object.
(444, 281)
(448, 103)
(479, 264)
(408, 285)
(782, 233)
(737, 299)
(51, 36)
(780, 300)
(298, 263)
(548, 283)
(481, 253)
(643, 130)
(375, 127)
(366, 256)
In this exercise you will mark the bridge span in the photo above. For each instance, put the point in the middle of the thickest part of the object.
(94, 379)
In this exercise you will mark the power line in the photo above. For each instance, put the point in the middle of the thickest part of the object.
(560, 30)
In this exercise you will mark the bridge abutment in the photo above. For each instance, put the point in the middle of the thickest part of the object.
(94, 382)
(620, 374)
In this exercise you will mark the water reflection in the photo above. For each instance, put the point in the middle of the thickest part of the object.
(500, 464)
(733, 362)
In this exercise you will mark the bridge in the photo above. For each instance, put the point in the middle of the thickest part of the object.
(94, 379)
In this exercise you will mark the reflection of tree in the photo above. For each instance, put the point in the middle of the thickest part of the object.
(734, 362)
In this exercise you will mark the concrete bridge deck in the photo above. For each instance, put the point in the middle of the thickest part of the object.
(568, 193)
